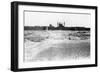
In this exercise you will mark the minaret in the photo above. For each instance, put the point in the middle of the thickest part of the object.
(64, 23)
(57, 24)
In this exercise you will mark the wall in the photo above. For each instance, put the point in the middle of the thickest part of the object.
(5, 17)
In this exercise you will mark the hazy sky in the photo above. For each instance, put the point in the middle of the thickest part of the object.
(46, 18)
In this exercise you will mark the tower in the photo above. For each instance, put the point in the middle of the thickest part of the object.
(64, 23)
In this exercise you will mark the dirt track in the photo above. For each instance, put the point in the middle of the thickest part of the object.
(51, 49)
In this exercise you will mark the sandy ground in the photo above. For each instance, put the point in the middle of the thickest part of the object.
(56, 48)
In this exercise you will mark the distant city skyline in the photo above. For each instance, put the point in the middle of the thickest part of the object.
(45, 19)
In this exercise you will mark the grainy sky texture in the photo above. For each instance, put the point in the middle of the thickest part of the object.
(45, 18)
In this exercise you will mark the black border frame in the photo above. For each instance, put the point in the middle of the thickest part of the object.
(14, 35)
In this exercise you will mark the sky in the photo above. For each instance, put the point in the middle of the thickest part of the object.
(34, 18)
